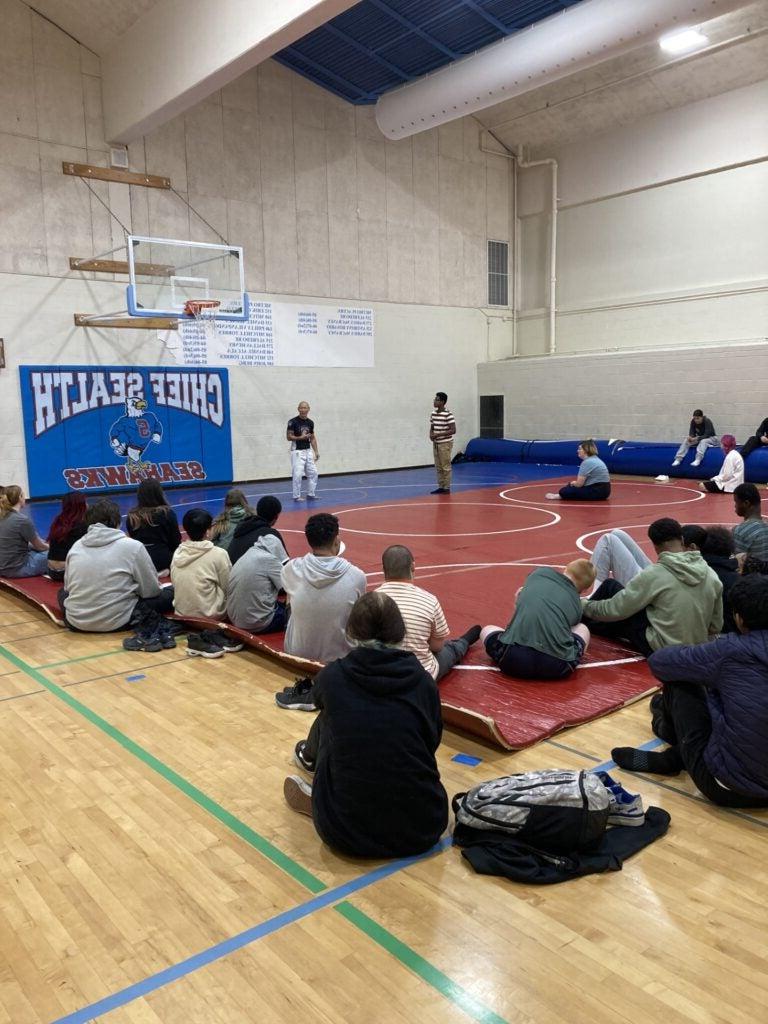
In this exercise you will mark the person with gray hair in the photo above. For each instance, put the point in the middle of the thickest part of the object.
(426, 630)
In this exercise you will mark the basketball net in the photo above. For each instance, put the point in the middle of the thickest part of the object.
(204, 313)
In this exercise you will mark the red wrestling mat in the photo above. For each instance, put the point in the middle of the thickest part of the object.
(40, 590)
(513, 713)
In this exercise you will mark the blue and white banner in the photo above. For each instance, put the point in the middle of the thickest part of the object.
(101, 428)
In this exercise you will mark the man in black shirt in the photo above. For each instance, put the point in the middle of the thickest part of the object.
(304, 453)
(758, 440)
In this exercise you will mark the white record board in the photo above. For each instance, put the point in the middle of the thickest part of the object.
(278, 334)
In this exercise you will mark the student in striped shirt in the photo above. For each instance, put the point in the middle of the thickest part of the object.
(426, 631)
(751, 536)
(442, 427)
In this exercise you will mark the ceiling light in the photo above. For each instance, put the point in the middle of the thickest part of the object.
(683, 41)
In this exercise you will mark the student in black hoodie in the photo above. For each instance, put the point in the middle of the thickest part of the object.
(153, 522)
(268, 509)
(376, 790)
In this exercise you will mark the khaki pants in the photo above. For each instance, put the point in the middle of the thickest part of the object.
(443, 463)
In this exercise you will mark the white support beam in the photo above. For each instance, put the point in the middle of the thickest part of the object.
(183, 50)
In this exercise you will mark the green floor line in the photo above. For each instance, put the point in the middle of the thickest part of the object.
(85, 657)
(376, 932)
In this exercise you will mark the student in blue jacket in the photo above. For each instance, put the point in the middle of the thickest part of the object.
(713, 710)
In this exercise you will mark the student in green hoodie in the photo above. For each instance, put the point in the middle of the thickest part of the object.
(677, 600)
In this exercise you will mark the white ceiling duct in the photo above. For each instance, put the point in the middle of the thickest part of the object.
(584, 35)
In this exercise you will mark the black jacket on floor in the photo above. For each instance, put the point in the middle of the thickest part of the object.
(377, 790)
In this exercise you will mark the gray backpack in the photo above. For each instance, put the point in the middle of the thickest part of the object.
(557, 811)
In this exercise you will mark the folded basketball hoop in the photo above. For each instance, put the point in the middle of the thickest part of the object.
(201, 307)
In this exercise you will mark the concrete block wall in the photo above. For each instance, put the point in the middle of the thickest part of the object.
(325, 208)
(630, 395)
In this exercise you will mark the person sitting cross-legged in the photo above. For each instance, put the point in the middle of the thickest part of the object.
(109, 578)
(22, 550)
(254, 587)
(426, 630)
(321, 588)
(545, 638)
(376, 790)
(731, 472)
(713, 710)
(676, 600)
(199, 570)
(593, 481)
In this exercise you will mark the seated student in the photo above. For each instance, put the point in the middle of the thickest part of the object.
(616, 555)
(426, 631)
(254, 586)
(109, 577)
(758, 440)
(677, 600)
(713, 709)
(268, 509)
(22, 552)
(593, 482)
(199, 570)
(751, 536)
(701, 433)
(716, 547)
(731, 472)
(376, 790)
(153, 522)
(236, 510)
(545, 638)
(321, 589)
(66, 528)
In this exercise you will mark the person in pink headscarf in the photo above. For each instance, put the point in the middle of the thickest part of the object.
(731, 472)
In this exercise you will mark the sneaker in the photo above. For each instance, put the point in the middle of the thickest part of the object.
(677, 462)
(299, 498)
(696, 462)
(228, 644)
(298, 794)
(552, 496)
(297, 697)
(472, 635)
(311, 497)
(144, 640)
(662, 478)
(624, 808)
(166, 636)
(441, 490)
(199, 647)
(300, 758)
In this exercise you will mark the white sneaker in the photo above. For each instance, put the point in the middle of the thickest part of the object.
(677, 462)
(552, 496)
(298, 794)
(696, 462)
(662, 478)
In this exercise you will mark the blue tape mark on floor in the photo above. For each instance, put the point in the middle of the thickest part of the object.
(134, 679)
(467, 759)
(221, 949)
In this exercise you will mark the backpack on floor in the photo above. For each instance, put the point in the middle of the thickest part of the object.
(551, 810)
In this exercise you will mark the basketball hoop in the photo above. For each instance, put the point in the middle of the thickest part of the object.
(201, 308)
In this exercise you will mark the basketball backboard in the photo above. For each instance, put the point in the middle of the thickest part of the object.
(164, 273)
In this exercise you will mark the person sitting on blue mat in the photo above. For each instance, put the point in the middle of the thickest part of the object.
(545, 638)
(701, 433)
(593, 482)
(758, 440)
(713, 710)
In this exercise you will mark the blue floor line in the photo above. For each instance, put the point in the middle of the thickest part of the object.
(208, 956)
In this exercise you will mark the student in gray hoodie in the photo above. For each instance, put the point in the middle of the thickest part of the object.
(677, 600)
(254, 584)
(321, 587)
(108, 575)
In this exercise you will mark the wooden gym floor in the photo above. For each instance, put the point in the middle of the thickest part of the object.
(150, 871)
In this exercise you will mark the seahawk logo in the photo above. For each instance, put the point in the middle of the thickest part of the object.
(133, 433)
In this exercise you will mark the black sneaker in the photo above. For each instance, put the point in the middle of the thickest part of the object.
(298, 697)
(441, 490)
(144, 640)
(165, 636)
(199, 647)
(228, 644)
(300, 758)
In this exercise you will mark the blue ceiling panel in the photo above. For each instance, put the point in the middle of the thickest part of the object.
(378, 45)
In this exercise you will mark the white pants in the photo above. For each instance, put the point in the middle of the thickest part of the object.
(701, 447)
(303, 462)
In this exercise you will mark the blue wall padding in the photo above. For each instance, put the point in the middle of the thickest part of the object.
(636, 458)
(491, 449)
